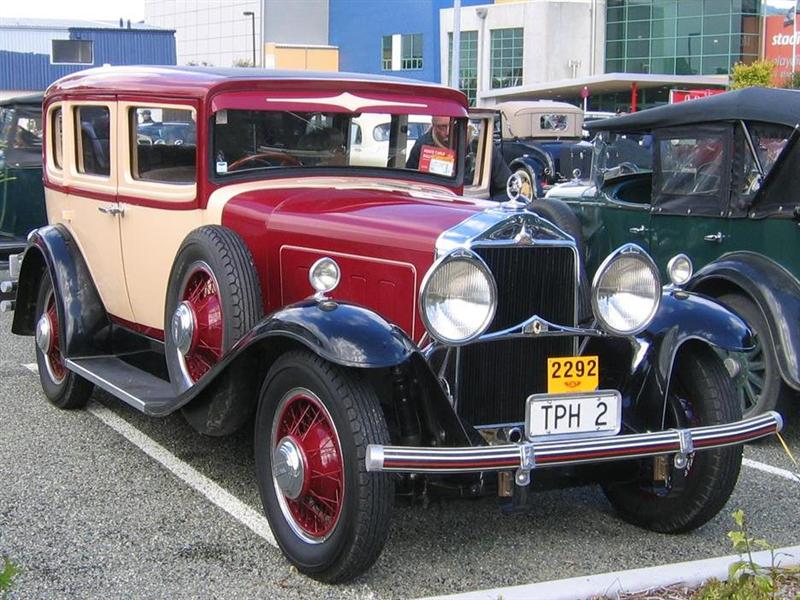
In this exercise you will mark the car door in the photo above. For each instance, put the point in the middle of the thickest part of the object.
(91, 210)
(691, 193)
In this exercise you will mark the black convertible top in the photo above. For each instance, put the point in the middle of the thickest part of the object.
(768, 105)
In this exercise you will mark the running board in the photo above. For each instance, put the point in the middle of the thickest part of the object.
(143, 391)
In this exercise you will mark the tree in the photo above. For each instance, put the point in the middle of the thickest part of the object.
(793, 81)
(242, 62)
(758, 73)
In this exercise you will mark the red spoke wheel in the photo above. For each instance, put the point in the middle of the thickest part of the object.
(213, 299)
(315, 420)
(62, 387)
(201, 298)
(701, 393)
(307, 465)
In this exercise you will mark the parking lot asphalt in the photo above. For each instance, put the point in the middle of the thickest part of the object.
(86, 513)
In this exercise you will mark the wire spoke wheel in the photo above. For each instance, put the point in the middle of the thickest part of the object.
(303, 427)
(54, 360)
(201, 296)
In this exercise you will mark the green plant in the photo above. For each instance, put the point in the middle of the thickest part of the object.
(7, 575)
(747, 580)
(758, 73)
(793, 81)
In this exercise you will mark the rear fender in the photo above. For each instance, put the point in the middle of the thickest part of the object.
(776, 293)
(80, 310)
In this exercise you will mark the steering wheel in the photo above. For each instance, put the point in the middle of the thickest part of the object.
(270, 158)
(627, 168)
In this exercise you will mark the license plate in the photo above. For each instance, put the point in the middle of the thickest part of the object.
(566, 374)
(588, 414)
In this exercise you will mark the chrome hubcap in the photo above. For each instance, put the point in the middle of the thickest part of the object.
(44, 334)
(287, 468)
(183, 327)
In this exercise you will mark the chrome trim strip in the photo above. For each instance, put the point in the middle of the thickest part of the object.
(567, 452)
(112, 389)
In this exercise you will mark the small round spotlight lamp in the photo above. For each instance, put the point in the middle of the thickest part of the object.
(680, 269)
(324, 276)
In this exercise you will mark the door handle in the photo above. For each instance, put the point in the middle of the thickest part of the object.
(714, 237)
(112, 209)
(641, 230)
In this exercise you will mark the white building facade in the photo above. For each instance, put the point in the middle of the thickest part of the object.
(515, 44)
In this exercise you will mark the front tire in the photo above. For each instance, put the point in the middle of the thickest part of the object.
(329, 515)
(62, 387)
(701, 393)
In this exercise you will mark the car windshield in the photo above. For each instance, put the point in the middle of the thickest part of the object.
(618, 154)
(258, 141)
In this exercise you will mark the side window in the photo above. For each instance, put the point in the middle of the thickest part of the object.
(164, 144)
(691, 165)
(57, 138)
(93, 140)
(769, 141)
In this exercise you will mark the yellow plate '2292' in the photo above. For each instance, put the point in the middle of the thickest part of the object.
(572, 374)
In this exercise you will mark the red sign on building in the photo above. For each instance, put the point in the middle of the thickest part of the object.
(780, 40)
(676, 96)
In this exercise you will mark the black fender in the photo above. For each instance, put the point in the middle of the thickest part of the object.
(774, 290)
(341, 333)
(683, 318)
(86, 327)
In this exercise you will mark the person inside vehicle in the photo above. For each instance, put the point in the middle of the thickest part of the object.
(147, 119)
(438, 135)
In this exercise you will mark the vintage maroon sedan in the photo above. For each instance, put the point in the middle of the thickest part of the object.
(386, 333)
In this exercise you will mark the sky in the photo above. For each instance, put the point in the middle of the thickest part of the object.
(92, 10)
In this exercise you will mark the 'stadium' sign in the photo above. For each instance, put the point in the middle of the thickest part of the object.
(781, 40)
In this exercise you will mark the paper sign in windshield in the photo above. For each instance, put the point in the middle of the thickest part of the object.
(440, 161)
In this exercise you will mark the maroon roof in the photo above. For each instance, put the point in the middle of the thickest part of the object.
(198, 82)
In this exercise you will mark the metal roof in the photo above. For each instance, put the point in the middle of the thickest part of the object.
(26, 23)
(769, 105)
(197, 81)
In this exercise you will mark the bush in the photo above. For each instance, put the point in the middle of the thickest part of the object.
(758, 73)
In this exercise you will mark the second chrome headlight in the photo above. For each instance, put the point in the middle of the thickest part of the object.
(626, 291)
(458, 298)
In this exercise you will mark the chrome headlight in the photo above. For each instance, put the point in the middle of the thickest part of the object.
(458, 298)
(626, 291)
(680, 269)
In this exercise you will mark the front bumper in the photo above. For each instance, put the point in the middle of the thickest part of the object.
(527, 456)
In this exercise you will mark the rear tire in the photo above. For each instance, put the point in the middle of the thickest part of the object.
(62, 387)
(699, 395)
(330, 516)
(760, 387)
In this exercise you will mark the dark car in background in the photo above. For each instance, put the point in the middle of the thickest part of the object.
(717, 179)
(22, 207)
(542, 142)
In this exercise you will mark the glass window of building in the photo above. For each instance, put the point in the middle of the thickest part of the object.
(386, 53)
(467, 66)
(72, 52)
(681, 37)
(411, 52)
(506, 55)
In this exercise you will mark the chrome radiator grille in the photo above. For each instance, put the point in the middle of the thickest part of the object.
(495, 378)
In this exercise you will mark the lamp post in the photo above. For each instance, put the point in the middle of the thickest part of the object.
(252, 15)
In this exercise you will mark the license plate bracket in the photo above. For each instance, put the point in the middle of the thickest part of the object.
(574, 415)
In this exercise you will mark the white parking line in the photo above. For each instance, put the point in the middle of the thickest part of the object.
(754, 464)
(240, 511)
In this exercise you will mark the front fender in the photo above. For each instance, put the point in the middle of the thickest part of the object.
(685, 316)
(345, 334)
(80, 310)
(773, 289)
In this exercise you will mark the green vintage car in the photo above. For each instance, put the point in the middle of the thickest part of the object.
(22, 206)
(717, 179)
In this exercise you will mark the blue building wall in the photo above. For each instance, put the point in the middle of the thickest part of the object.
(32, 70)
(357, 28)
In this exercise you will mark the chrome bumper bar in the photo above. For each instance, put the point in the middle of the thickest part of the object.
(525, 457)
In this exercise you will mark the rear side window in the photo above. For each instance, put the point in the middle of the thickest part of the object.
(93, 137)
(164, 144)
(57, 138)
